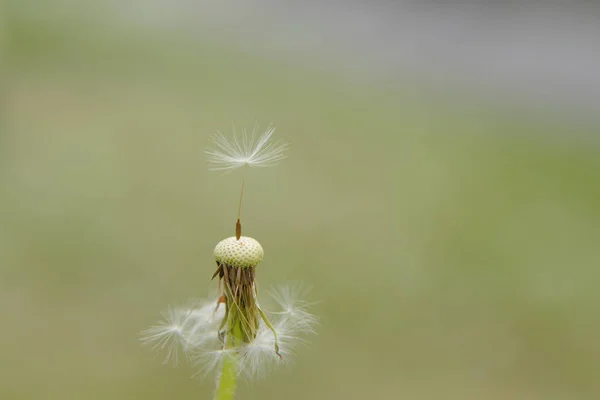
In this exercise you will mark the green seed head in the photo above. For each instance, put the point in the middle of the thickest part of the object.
(243, 253)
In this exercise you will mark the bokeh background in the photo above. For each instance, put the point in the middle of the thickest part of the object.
(441, 195)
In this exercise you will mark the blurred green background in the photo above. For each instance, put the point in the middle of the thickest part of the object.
(454, 244)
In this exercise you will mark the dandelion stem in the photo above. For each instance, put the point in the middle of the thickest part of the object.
(234, 338)
(228, 375)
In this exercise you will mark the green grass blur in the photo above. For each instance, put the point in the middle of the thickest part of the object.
(454, 247)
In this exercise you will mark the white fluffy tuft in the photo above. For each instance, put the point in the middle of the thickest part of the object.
(195, 331)
(183, 329)
(294, 309)
(248, 150)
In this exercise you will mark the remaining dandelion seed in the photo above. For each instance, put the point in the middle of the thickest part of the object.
(233, 331)
(168, 335)
(257, 357)
(182, 330)
(294, 309)
(199, 334)
(253, 150)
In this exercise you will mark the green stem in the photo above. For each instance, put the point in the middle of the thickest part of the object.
(227, 378)
(228, 375)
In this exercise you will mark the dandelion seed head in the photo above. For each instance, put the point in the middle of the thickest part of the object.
(242, 253)
(251, 150)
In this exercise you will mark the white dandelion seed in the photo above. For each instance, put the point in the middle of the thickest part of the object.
(257, 358)
(203, 326)
(208, 361)
(168, 335)
(294, 310)
(195, 332)
(254, 151)
(182, 330)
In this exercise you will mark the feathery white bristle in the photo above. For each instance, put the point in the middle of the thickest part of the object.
(168, 335)
(251, 151)
(182, 329)
(258, 358)
(209, 360)
(195, 331)
(294, 310)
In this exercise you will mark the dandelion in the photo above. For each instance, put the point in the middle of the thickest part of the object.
(232, 334)
(253, 150)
